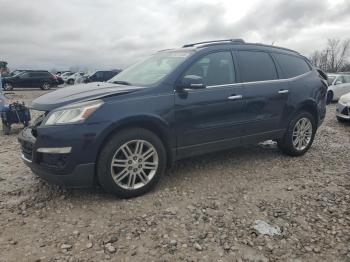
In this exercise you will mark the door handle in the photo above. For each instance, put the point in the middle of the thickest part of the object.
(285, 91)
(235, 97)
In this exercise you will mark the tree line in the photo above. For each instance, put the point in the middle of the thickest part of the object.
(334, 57)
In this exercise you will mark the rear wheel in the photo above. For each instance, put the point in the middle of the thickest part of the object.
(131, 163)
(330, 96)
(7, 86)
(299, 136)
(45, 86)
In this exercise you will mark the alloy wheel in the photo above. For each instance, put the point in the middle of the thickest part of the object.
(134, 164)
(46, 86)
(302, 134)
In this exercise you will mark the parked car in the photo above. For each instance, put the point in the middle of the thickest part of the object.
(71, 79)
(178, 103)
(101, 76)
(82, 79)
(30, 78)
(343, 108)
(59, 73)
(339, 84)
(66, 75)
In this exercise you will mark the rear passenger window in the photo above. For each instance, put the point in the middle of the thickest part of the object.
(256, 66)
(291, 65)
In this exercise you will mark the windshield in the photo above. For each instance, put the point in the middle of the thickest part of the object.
(16, 72)
(331, 79)
(151, 70)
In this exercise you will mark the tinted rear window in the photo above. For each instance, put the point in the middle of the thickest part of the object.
(256, 66)
(291, 65)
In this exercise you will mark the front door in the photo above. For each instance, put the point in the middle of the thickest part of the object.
(24, 80)
(214, 113)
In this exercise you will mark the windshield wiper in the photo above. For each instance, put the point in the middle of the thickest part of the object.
(121, 83)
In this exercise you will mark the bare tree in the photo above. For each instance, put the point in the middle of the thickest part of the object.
(333, 57)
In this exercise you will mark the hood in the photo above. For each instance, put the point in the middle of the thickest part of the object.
(80, 93)
(345, 97)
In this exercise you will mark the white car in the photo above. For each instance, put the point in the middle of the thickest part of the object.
(339, 84)
(71, 79)
(343, 108)
(66, 75)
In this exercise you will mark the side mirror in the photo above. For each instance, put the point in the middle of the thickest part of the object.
(338, 82)
(192, 82)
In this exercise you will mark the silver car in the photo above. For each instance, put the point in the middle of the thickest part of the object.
(339, 84)
(343, 108)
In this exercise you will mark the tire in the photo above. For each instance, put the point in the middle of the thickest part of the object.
(70, 82)
(6, 129)
(130, 167)
(330, 96)
(286, 144)
(45, 86)
(7, 86)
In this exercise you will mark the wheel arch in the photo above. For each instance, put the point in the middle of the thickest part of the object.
(152, 123)
(308, 106)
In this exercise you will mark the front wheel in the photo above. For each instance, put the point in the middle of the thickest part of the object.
(299, 136)
(330, 96)
(131, 163)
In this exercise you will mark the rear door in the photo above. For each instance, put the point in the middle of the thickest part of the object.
(38, 78)
(211, 114)
(265, 95)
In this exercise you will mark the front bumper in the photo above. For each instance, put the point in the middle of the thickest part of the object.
(343, 111)
(63, 168)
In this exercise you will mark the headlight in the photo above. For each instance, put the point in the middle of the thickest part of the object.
(74, 113)
(343, 101)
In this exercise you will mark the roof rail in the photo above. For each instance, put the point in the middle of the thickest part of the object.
(216, 41)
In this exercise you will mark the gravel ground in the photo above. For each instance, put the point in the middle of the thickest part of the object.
(204, 208)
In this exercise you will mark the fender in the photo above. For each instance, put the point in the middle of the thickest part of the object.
(152, 122)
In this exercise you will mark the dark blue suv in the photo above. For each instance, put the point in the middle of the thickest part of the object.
(203, 97)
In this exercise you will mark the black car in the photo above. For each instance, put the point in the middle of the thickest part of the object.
(203, 97)
(101, 76)
(30, 78)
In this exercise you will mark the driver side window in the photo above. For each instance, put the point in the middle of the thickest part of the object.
(214, 69)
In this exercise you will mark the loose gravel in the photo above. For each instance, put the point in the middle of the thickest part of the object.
(204, 209)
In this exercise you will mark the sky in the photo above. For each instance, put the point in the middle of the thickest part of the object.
(106, 34)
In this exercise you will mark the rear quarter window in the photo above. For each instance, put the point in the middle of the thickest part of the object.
(256, 66)
(291, 66)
